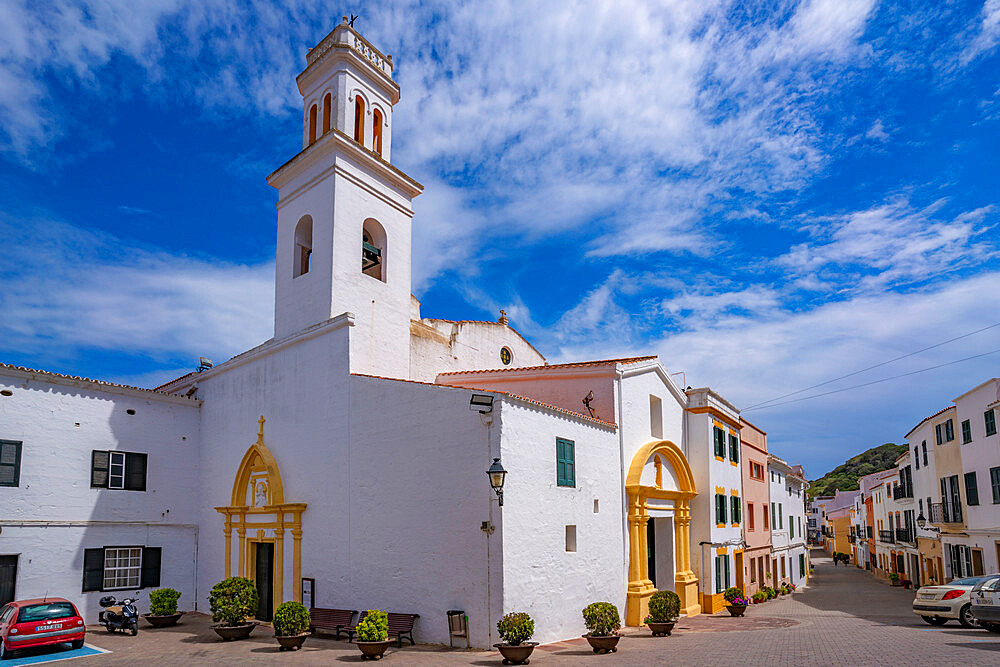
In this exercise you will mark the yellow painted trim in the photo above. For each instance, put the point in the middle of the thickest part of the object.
(734, 464)
(721, 551)
(734, 492)
(719, 458)
(258, 457)
(717, 415)
(720, 525)
(640, 587)
(720, 490)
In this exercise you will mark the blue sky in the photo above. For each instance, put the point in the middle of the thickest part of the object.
(767, 198)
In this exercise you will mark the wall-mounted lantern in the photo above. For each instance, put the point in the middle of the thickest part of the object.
(496, 473)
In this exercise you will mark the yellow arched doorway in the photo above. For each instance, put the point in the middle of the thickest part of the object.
(645, 482)
(260, 515)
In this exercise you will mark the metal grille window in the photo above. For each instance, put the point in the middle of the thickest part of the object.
(122, 567)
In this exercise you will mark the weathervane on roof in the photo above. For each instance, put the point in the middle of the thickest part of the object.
(587, 400)
(352, 19)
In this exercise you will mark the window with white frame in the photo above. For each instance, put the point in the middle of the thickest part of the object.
(122, 567)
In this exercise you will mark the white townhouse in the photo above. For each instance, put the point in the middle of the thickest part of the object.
(858, 531)
(901, 509)
(343, 460)
(789, 559)
(968, 483)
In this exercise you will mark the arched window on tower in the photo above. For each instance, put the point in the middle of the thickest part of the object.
(377, 131)
(303, 246)
(327, 104)
(373, 243)
(359, 119)
(312, 123)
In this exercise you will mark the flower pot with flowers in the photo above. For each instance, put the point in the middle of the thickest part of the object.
(770, 593)
(291, 625)
(664, 608)
(603, 621)
(894, 578)
(737, 601)
(232, 601)
(515, 629)
(373, 635)
(758, 597)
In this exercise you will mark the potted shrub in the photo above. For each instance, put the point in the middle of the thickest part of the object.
(291, 625)
(515, 629)
(602, 619)
(894, 578)
(664, 608)
(737, 601)
(759, 596)
(373, 634)
(232, 602)
(163, 608)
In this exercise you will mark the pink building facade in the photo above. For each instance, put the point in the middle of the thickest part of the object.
(756, 526)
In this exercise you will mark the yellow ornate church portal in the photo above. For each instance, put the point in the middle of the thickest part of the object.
(260, 515)
(650, 458)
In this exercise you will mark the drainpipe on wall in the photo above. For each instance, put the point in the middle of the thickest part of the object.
(621, 465)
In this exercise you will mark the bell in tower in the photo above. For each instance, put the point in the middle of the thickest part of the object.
(344, 213)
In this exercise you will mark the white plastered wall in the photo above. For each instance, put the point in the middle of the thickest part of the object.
(439, 346)
(539, 576)
(53, 515)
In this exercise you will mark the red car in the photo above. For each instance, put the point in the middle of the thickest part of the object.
(30, 623)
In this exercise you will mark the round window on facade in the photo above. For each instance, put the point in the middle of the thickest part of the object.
(506, 356)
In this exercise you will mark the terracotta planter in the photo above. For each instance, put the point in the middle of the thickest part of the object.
(603, 644)
(516, 654)
(373, 650)
(233, 632)
(661, 629)
(164, 621)
(736, 609)
(291, 642)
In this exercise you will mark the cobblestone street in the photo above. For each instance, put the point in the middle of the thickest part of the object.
(844, 617)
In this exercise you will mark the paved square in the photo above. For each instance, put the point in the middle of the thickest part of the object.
(844, 617)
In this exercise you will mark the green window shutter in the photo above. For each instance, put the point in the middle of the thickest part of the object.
(734, 448)
(93, 569)
(718, 575)
(966, 431)
(720, 441)
(937, 434)
(10, 463)
(135, 472)
(995, 483)
(150, 577)
(565, 462)
(802, 565)
(781, 519)
(100, 466)
(774, 515)
(971, 489)
(990, 418)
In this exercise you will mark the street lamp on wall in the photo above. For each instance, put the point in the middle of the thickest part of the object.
(497, 474)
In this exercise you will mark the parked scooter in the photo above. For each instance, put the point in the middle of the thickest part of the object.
(119, 615)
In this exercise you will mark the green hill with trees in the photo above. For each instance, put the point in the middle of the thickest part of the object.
(845, 477)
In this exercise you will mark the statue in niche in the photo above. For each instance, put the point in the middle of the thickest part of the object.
(260, 494)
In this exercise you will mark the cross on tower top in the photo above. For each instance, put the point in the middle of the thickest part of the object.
(260, 433)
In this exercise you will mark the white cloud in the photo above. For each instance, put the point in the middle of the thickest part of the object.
(986, 35)
(892, 245)
(66, 290)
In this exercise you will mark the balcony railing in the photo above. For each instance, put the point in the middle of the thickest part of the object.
(887, 536)
(904, 535)
(902, 492)
(946, 513)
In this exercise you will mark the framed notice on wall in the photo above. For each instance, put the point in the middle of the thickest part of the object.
(308, 592)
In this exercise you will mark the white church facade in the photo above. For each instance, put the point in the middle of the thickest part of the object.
(349, 450)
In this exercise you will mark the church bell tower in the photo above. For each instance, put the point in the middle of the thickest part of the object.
(344, 212)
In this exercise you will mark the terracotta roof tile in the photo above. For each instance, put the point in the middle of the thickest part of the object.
(80, 378)
(575, 364)
(547, 406)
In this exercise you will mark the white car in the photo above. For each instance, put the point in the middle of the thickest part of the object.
(939, 604)
(986, 603)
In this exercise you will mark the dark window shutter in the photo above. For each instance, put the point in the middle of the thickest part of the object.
(100, 463)
(150, 567)
(93, 569)
(135, 472)
(10, 463)
(570, 463)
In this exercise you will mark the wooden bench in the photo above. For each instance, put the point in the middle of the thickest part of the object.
(334, 620)
(400, 627)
